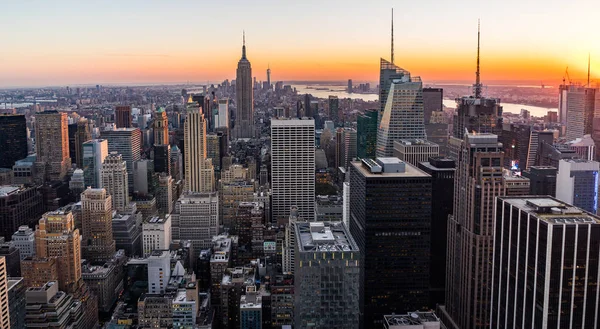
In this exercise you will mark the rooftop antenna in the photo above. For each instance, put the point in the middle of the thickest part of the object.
(243, 44)
(588, 80)
(392, 35)
(477, 74)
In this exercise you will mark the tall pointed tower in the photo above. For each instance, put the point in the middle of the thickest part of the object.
(244, 98)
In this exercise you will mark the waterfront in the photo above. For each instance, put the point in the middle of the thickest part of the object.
(336, 90)
(535, 111)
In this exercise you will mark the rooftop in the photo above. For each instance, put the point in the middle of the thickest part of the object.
(6, 190)
(417, 319)
(552, 211)
(324, 237)
(409, 142)
(409, 170)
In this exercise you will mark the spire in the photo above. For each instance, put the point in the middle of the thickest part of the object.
(392, 35)
(477, 74)
(244, 45)
(588, 81)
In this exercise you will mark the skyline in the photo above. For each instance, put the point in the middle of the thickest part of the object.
(71, 43)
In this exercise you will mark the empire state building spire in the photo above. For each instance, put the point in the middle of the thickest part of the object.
(244, 98)
(244, 45)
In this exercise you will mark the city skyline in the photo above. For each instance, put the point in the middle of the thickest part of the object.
(69, 48)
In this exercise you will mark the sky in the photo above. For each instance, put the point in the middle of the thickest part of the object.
(50, 43)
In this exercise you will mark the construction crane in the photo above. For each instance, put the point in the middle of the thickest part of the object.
(566, 77)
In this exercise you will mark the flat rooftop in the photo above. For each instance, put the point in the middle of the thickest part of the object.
(410, 170)
(324, 237)
(6, 190)
(552, 211)
(418, 319)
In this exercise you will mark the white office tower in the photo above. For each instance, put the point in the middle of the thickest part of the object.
(142, 184)
(156, 234)
(293, 168)
(222, 118)
(24, 240)
(577, 183)
(114, 180)
(159, 271)
(199, 171)
(403, 115)
(196, 218)
(289, 243)
(346, 204)
(94, 153)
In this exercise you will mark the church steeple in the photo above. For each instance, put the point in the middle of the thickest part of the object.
(244, 45)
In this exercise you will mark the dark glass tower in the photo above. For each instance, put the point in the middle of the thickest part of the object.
(367, 134)
(441, 170)
(390, 220)
(13, 139)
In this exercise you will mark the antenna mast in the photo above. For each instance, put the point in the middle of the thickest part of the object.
(477, 74)
(588, 80)
(392, 35)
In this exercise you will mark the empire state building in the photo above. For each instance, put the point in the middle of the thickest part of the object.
(244, 99)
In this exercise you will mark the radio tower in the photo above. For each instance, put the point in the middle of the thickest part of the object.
(477, 74)
(392, 35)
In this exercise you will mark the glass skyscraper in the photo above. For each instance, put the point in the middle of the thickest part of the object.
(367, 134)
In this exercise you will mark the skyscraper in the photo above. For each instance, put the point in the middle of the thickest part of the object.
(128, 143)
(269, 76)
(123, 116)
(366, 134)
(402, 116)
(244, 98)
(4, 307)
(577, 183)
(432, 102)
(470, 231)
(545, 265)
(334, 109)
(293, 168)
(13, 138)
(196, 218)
(222, 120)
(98, 245)
(94, 153)
(115, 181)
(52, 146)
(82, 135)
(161, 127)
(199, 172)
(578, 110)
(390, 220)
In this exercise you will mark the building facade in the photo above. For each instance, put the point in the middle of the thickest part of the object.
(13, 137)
(94, 153)
(52, 146)
(128, 143)
(115, 180)
(98, 244)
(415, 151)
(244, 98)
(577, 183)
(199, 172)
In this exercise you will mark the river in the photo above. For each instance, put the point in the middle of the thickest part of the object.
(535, 111)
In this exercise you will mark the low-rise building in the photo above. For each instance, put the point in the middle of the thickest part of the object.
(156, 234)
(24, 240)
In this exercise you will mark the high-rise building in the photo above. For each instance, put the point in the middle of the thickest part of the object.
(16, 302)
(222, 119)
(390, 219)
(127, 233)
(128, 143)
(164, 194)
(24, 240)
(327, 276)
(56, 237)
(542, 180)
(13, 138)
(545, 265)
(106, 281)
(350, 86)
(36, 270)
(98, 244)
(77, 183)
(366, 134)
(156, 234)
(293, 168)
(123, 116)
(415, 151)
(432, 102)
(4, 306)
(442, 171)
(402, 116)
(479, 180)
(159, 271)
(115, 181)
(251, 309)
(94, 153)
(244, 99)
(161, 127)
(334, 109)
(19, 205)
(12, 257)
(196, 218)
(199, 172)
(231, 194)
(79, 133)
(577, 106)
(52, 146)
(577, 183)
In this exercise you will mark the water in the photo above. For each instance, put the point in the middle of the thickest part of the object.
(535, 111)
(337, 90)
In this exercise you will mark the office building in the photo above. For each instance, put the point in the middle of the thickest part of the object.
(123, 116)
(413, 320)
(98, 244)
(24, 170)
(162, 159)
(115, 181)
(199, 172)
(327, 276)
(515, 139)
(222, 119)
(127, 142)
(577, 183)
(164, 194)
(251, 309)
(402, 116)
(51, 146)
(334, 109)
(542, 180)
(79, 133)
(432, 102)
(77, 183)
(442, 170)
(144, 180)
(196, 218)
(535, 146)
(366, 134)
(56, 237)
(550, 154)
(576, 109)
(16, 302)
(155, 311)
(244, 99)
(515, 184)
(231, 194)
(584, 146)
(479, 179)
(346, 146)
(545, 265)
(293, 168)
(235, 280)
(12, 259)
(94, 153)
(390, 219)
(127, 233)
(24, 240)
(159, 271)
(106, 281)
(156, 234)
(13, 137)
(36, 270)
(415, 151)
(19, 205)
(161, 127)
